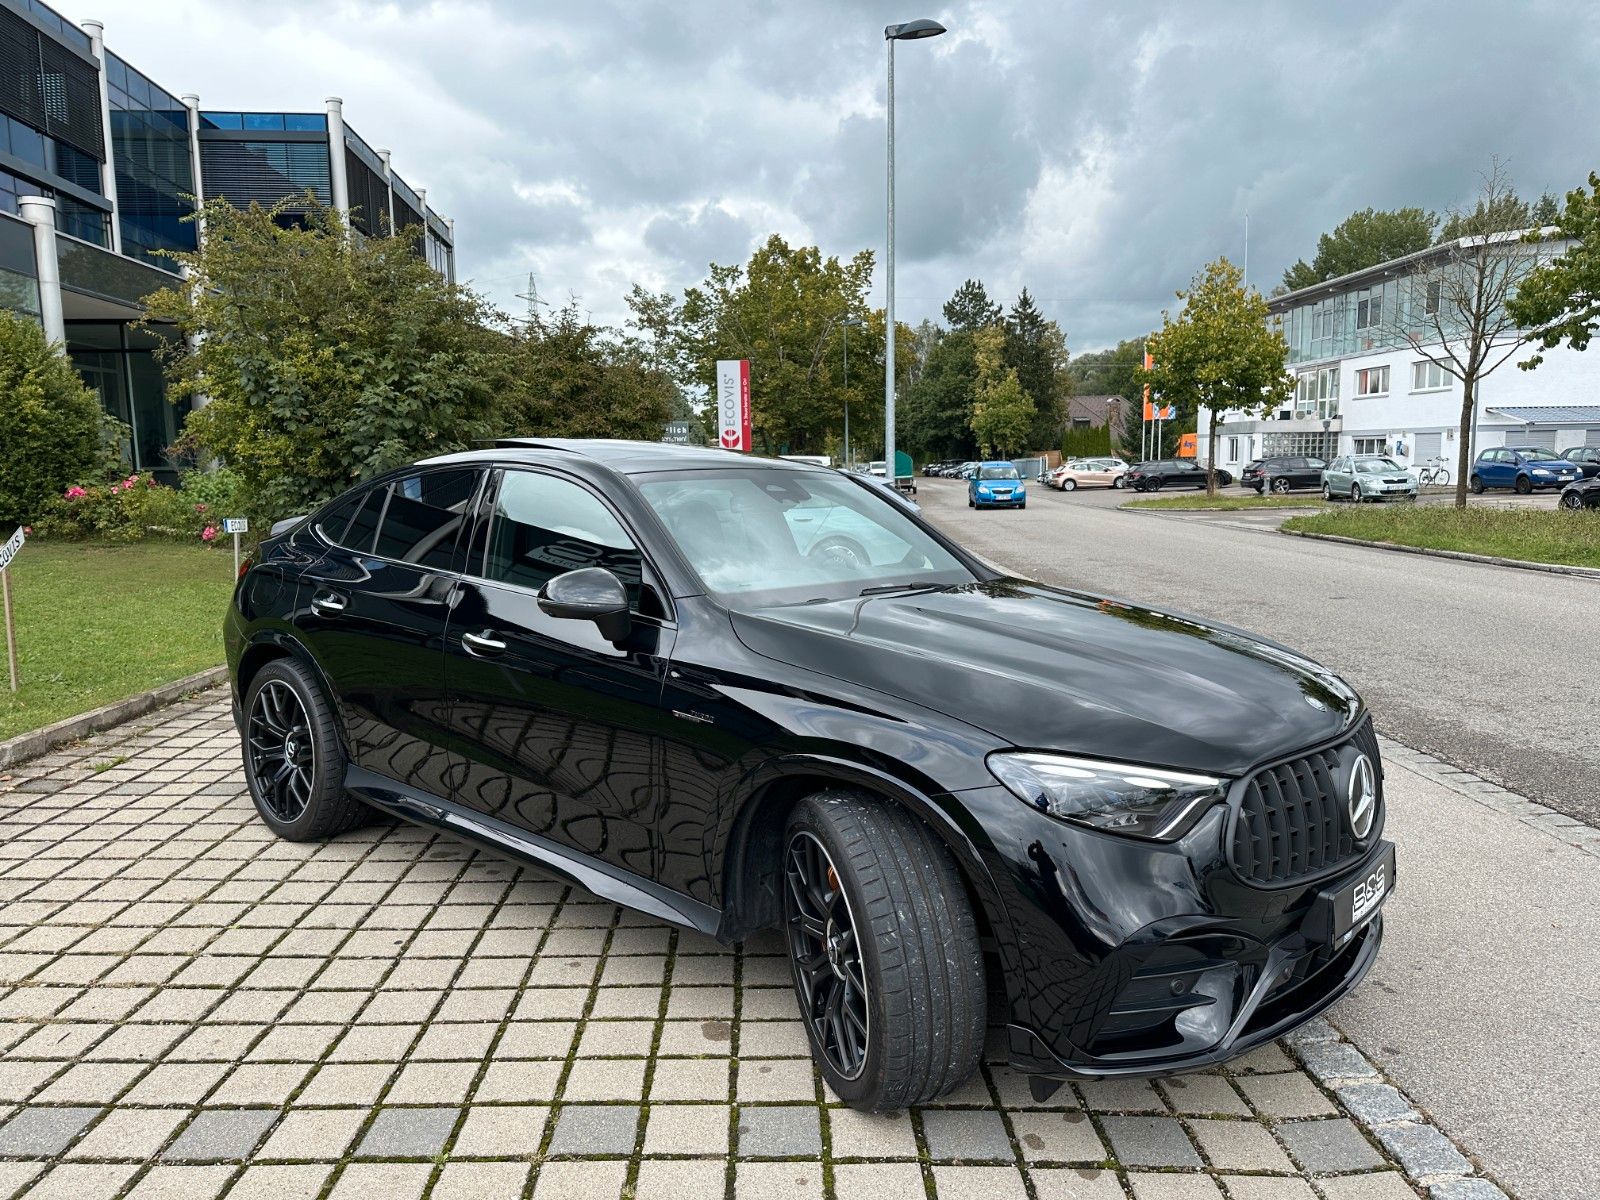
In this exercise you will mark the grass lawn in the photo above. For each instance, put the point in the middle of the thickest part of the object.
(1533, 535)
(98, 623)
(1228, 502)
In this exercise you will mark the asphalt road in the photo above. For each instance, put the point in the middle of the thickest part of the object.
(1493, 669)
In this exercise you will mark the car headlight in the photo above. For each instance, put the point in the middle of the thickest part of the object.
(1540, 471)
(1115, 797)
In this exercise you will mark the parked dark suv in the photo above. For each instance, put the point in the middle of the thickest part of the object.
(1171, 472)
(738, 694)
(1282, 475)
(1587, 458)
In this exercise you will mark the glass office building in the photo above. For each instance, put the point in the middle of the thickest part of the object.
(100, 170)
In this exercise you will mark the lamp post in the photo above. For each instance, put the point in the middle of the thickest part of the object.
(910, 31)
(847, 323)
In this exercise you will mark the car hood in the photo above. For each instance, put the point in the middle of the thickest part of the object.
(1050, 669)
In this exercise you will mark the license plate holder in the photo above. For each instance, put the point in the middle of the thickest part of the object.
(1339, 912)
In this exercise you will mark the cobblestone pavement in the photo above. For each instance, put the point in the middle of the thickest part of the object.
(191, 1008)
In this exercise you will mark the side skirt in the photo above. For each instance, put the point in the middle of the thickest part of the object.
(544, 854)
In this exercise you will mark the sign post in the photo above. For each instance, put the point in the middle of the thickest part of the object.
(733, 404)
(7, 553)
(235, 526)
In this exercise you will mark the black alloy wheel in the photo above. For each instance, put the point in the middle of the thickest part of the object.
(1571, 501)
(1155, 484)
(280, 753)
(826, 949)
(1280, 487)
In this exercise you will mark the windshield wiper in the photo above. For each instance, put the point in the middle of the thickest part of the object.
(883, 589)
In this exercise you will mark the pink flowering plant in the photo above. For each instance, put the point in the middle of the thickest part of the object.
(133, 508)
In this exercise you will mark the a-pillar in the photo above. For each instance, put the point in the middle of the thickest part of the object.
(40, 212)
(337, 176)
(108, 171)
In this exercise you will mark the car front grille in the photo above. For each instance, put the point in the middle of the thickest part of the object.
(1292, 821)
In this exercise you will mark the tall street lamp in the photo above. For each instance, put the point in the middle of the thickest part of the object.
(847, 323)
(910, 31)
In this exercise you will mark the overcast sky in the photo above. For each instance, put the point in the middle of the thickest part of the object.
(1097, 154)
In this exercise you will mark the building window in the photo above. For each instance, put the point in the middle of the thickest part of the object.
(1429, 377)
(1371, 445)
(1372, 381)
(1316, 393)
(1369, 311)
(1298, 445)
(1434, 294)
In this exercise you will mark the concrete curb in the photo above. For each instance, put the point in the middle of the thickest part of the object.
(1460, 555)
(40, 741)
(1429, 1159)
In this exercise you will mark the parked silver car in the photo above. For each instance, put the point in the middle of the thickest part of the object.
(1358, 477)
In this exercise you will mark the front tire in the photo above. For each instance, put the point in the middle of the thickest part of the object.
(1355, 493)
(1280, 487)
(1571, 501)
(1327, 494)
(1154, 485)
(883, 952)
(1524, 485)
(293, 762)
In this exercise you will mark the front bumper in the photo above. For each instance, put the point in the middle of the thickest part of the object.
(1014, 501)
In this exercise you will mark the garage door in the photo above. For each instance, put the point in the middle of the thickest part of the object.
(1592, 437)
(1533, 437)
(1428, 446)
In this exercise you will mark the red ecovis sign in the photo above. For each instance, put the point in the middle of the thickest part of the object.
(733, 403)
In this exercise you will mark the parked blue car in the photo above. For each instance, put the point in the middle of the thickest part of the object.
(1522, 468)
(996, 485)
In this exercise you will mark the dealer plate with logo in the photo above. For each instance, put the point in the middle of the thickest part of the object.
(1358, 901)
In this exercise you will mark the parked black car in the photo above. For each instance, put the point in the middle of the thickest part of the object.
(1282, 475)
(737, 694)
(1583, 494)
(1171, 472)
(1587, 458)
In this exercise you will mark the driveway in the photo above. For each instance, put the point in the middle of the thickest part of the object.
(190, 1008)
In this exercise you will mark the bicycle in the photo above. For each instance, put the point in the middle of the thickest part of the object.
(1433, 474)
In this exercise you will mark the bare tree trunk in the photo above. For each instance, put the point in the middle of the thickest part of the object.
(1468, 401)
(1211, 464)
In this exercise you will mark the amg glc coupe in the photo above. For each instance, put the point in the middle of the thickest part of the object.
(739, 694)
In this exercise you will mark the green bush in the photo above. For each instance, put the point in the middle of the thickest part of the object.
(53, 430)
(129, 510)
(1087, 443)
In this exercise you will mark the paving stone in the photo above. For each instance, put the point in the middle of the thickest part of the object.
(1075, 1183)
(1376, 1103)
(501, 1131)
(129, 1133)
(1315, 1030)
(580, 1180)
(407, 1133)
(1150, 1142)
(314, 1133)
(43, 1132)
(221, 1135)
(1259, 1187)
(78, 1181)
(1121, 1095)
(779, 1131)
(853, 1134)
(481, 1181)
(392, 1181)
(777, 1181)
(1239, 1146)
(1173, 1187)
(1067, 1137)
(1466, 1189)
(1335, 1060)
(1203, 1095)
(1382, 1185)
(979, 1183)
(1324, 1147)
(966, 1135)
(877, 1181)
(605, 1079)
(695, 1129)
(1265, 1061)
(1422, 1150)
(1285, 1096)
(595, 1130)
(777, 1079)
(181, 1183)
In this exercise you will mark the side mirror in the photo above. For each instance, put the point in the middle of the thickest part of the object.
(591, 594)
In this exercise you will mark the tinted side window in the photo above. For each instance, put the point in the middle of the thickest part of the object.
(358, 536)
(545, 526)
(425, 515)
(337, 519)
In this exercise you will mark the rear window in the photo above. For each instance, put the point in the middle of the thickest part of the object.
(424, 517)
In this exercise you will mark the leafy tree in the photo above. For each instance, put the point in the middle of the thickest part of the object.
(1364, 239)
(53, 429)
(1458, 311)
(970, 308)
(936, 409)
(1219, 354)
(1002, 413)
(1546, 210)
(326, 358)
(784, 311)
(575, 379)
(1559, 300)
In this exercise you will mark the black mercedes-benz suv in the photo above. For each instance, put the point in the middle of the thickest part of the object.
(739, 694)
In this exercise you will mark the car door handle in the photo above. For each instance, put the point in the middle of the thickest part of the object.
(482, 644)
(327, 604)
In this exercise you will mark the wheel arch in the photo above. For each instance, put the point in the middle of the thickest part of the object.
(750, 896)
(272, 646)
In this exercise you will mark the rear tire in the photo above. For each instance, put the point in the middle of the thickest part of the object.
(1069, 485)
(915, 945)
(1475, 485)
(294, 763)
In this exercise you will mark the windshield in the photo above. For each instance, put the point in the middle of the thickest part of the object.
(1003, 471)
(759, 537)
(1377, 466)
(1536, 455)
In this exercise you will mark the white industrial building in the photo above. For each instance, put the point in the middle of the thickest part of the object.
(1362, 388)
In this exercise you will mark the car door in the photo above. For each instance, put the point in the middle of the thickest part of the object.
(1310, 472)
(376, 606)
(1190, 473)
(1501, 469)
(1336, 477)
(557, 728)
